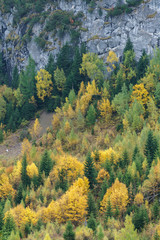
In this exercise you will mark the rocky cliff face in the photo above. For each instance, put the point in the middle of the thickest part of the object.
(100, 34)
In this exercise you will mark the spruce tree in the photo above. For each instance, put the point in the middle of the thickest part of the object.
(8, 227)
(109, 212)
(151, 148)
(69, 233)
(140, 218)
(46, 163)
(1, 135)
(19, 195)
(89, 170)
(24, 177)
(91, 205)
(155, 209)
(142, 65)
(15, 78)
(91, 116)
(1, 217)
(91, 223)
(129, 46)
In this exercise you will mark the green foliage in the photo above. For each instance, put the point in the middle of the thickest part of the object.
(1, 136)
(91, 205)
(140, 218)
(69, 233)
(24, 177)
(8, 227)
(46, 163)
(91, 223)
(91, 116)
(89, 170)
(151, 148)
(15, 78)
(100, 233)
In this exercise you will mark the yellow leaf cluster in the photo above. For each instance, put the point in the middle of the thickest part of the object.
(71, 166)
(67, 127)
(26, 149)
(36, 129)
(71, 206)
(32, 170)
(105, 109)
(103, 174)
(16, 174)
(140, 94)
(23, 215)
(118, 196)
(6, 188)
(139, 199)
(55, 122)
(109, 154)
(111, 59)
(44, 84)
(84, 100)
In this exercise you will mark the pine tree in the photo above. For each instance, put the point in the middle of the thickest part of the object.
(155, 209)
(142, 65)
(91, 223)
(91, 205)
(46, 163)
(100, 233)
(89, 170)
(69, 233)
(24, 176)
(19, 195)
(151, 147)
(129, 46)
(8, 227)
(109, 212)
(91, 116)
(15, 78)
(1, 135)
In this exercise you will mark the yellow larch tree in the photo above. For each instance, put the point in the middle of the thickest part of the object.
(32, 170)
(110, 154)
(111, 60)
(103, 174)
(72, 206)
(44, 84)
(6, 188)
(139, 199)
(26, 149)
(105, 109)
(36, 129)
(140, 94)
(117, 194)
(16, 174)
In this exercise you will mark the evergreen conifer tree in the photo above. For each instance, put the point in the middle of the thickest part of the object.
(1, 136)
(91, 205)
(155, 209)
(24, 176)
(91, 116)
(69, 233)
(89, 170)
(15, 78)
(91, 223)
(19, 195)
(151, 147)
(8, 227)
(109, 212)
(46, 163)
(142, 65)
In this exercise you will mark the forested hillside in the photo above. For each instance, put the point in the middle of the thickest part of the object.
(95, 173)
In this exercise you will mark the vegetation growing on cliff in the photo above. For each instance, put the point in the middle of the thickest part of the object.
(95, 173)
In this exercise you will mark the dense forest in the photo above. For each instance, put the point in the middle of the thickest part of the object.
(95, 173)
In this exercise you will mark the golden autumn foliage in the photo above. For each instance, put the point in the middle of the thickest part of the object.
(83, 101)
(71, 206)
(16, 174)
(111, 60)
(70, 165)
(103, 174)
(67, 127)
(150, 187)
(55, 122)
(26, 149)
(44, 84)
(109, 154)
(139, 199)
(118, 197)
(36, 129)
(23, 215)
(105, 109)
(6, 188)
(32, 170)
(140, 94)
